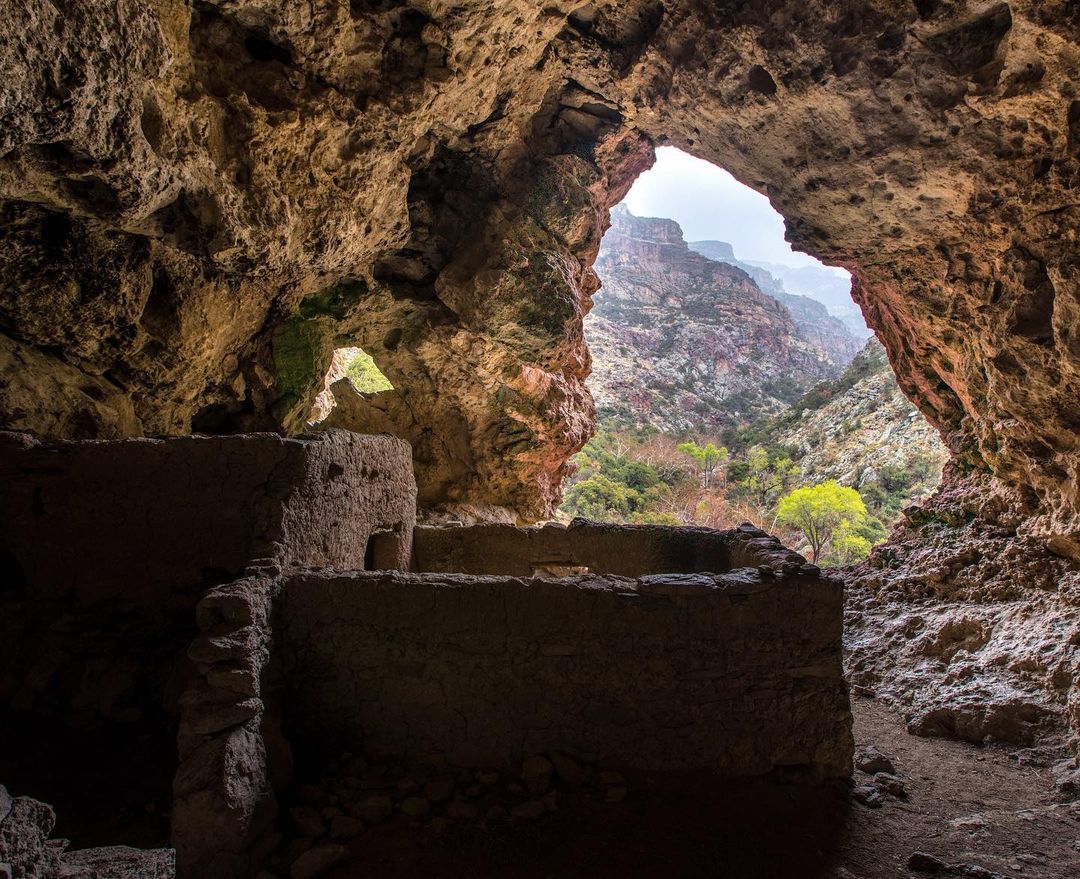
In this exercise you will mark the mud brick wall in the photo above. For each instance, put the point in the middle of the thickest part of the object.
(622, 550)
(105, 550)
(145, 518)
(736, 674)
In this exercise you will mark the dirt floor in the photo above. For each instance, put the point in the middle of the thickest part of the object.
(964, 805)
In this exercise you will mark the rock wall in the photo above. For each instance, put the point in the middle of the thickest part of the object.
(731, 674)
(966, 626)
(106, 548)
(590, 547)
(200, 202)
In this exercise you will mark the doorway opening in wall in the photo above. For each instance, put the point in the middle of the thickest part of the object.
(357, 366)
(735, 379)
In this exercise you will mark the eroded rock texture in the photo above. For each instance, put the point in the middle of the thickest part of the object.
(967, 626)
(200, 202)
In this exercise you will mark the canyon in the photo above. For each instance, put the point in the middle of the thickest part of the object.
(201, 202)
(680, 341)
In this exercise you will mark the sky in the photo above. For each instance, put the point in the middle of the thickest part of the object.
(710, 204)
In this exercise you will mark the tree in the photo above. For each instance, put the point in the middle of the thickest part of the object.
(365, 376)
(707, 457)
(766, 474)
(821, 511)
(601, 499)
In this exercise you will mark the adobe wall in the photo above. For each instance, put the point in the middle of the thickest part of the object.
(735, 674)
(107, 547)
(144, 518)
(621, 550)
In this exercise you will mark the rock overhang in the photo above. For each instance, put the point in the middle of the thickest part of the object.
(255, 162)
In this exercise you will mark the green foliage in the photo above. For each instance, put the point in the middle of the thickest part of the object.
(365, 376)
(822, 512)
(602, 499)
(768, 472)
(707, 458)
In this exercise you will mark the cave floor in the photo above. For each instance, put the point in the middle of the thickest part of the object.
(963, 804)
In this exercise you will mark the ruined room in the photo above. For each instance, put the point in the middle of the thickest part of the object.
(259, 620)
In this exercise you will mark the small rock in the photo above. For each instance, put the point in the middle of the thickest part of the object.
(890, 784)
(440, 824)
(569, 770)
(439, 790)
(969, 822)
(1067, 778)
(871, 761)
(515, 789)
(487, 778)
(610, 777)
(550, 801)
(408, 786)
(529, 810)
(317, 861)
(925, 863)
(495, 813)
(311, 795)
(306, 821)
(461, 810)
(415, 807)
(869, 795)
(377, 809)
(474, 791)
(536, 773)
(344, 827)
(615, 795)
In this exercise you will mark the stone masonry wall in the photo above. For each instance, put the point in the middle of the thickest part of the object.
(622, 550)
(107, 547)
(124, 536)
(735, 674)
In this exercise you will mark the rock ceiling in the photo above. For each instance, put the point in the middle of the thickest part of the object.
(198, 202)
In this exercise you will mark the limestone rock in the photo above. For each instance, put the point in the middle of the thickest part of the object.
(217, 196)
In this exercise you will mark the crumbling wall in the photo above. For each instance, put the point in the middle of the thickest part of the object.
(735, 674)
(234, 759)
(106, 547)
(26, 849)
(592, 547)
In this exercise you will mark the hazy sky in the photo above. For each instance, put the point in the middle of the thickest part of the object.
(711, 204)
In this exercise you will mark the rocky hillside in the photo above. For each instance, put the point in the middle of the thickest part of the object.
(862, 431)
(814, 295)
(680, 341)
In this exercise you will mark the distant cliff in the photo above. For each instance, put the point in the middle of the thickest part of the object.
(818, 298)
(679, 340)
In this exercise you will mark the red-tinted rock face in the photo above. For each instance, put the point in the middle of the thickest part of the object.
(197, 173)
(679, 340)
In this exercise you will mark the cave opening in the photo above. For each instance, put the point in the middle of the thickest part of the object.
(359, 368)
(735, 379)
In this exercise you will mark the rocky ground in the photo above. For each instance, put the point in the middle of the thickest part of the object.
(967, 624)
(919, 807)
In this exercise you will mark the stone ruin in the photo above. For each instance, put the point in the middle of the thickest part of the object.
(270, 602)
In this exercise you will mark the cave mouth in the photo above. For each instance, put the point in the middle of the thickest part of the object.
(356, 365)
(735, 378)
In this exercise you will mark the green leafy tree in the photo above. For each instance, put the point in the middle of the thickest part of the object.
(707, 457)
(601, 499)
(821, 512)
(766, 474)
(365, 376)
